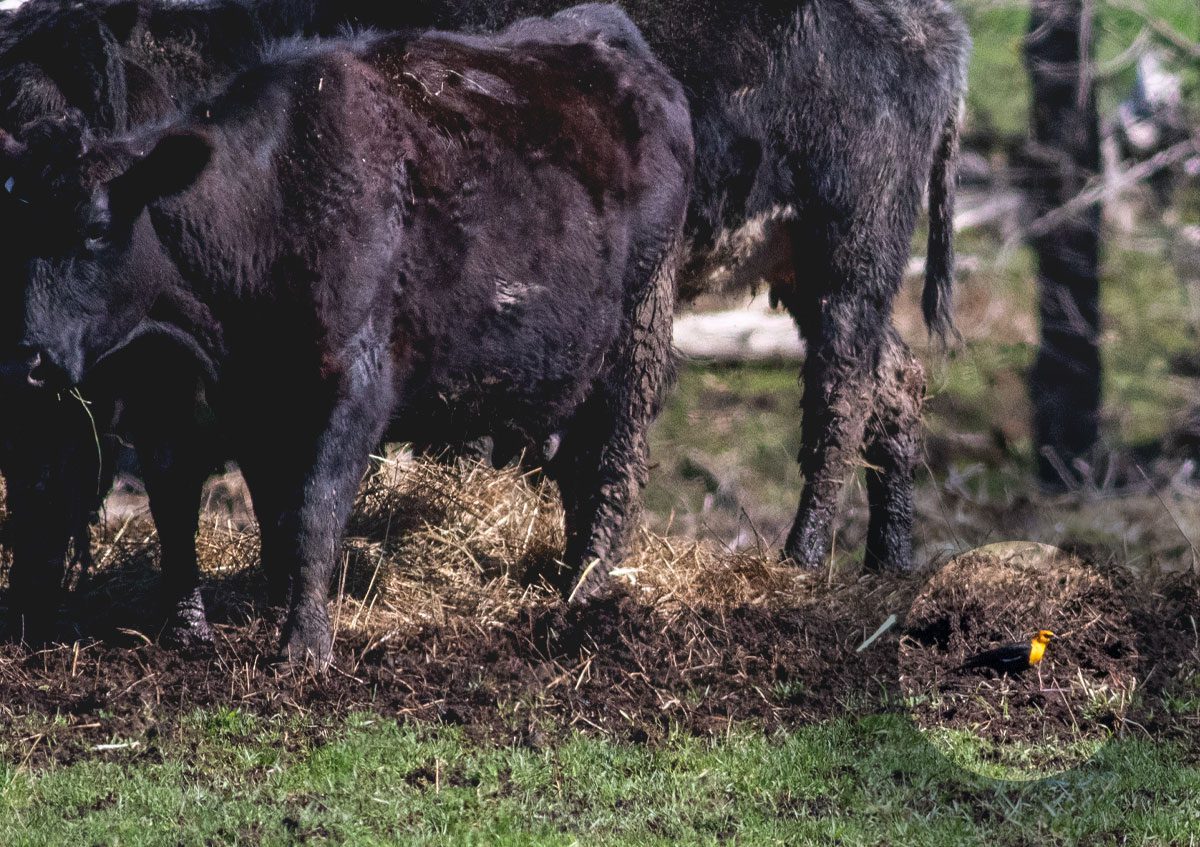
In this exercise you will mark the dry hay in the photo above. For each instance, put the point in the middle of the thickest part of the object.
(430, 543)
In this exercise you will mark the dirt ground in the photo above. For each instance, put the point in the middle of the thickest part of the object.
(1108, 649)
(443, 614)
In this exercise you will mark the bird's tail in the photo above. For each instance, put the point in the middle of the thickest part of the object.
(969, 664)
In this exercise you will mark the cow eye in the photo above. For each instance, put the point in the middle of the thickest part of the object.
(10, 188)
(95, 237)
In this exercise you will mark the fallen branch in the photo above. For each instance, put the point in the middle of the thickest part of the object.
(739, 335)
(995, 208)
(1102, 190)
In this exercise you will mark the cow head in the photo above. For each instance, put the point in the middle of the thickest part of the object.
(85, 270)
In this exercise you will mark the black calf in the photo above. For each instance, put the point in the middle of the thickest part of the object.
(389, 237)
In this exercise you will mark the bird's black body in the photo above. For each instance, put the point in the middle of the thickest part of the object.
(1006, 659)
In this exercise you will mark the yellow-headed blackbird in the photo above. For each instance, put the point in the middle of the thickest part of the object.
(1011, 658)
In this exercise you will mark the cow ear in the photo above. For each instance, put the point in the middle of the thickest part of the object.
(172, 165)
(11, 151)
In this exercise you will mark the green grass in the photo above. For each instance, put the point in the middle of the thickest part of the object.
(1146, 323)
(1020, 762)
(871, 780)
(998, 89)
(726, 428)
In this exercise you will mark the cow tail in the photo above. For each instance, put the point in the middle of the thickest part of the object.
(937, 299)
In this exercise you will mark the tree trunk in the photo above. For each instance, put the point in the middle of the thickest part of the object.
(1065, 381)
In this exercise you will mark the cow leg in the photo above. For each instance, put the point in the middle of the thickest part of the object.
(88, 515)
(51, 478)
(38, 532)
(838, 383)
(575, 470)
(176, 456)
(892, 451)
(261, 479)
(600, 473)
(174, 481)
(312, 508)
(600, 463)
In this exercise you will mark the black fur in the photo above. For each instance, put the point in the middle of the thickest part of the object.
(385, 237)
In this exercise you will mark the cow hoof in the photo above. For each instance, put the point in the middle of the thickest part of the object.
(591, 585)
(886, 565)
(804, 555)
(314, 653)
(187, 635)
(307, 640)
(187, 627)
(796, 560)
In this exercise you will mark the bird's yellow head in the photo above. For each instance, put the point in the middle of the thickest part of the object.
(1037, 648)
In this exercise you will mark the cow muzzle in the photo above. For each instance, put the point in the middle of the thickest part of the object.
(35, 368)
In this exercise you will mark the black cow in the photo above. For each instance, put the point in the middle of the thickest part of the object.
(111, 64)
(389, 236)
(818, 125)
